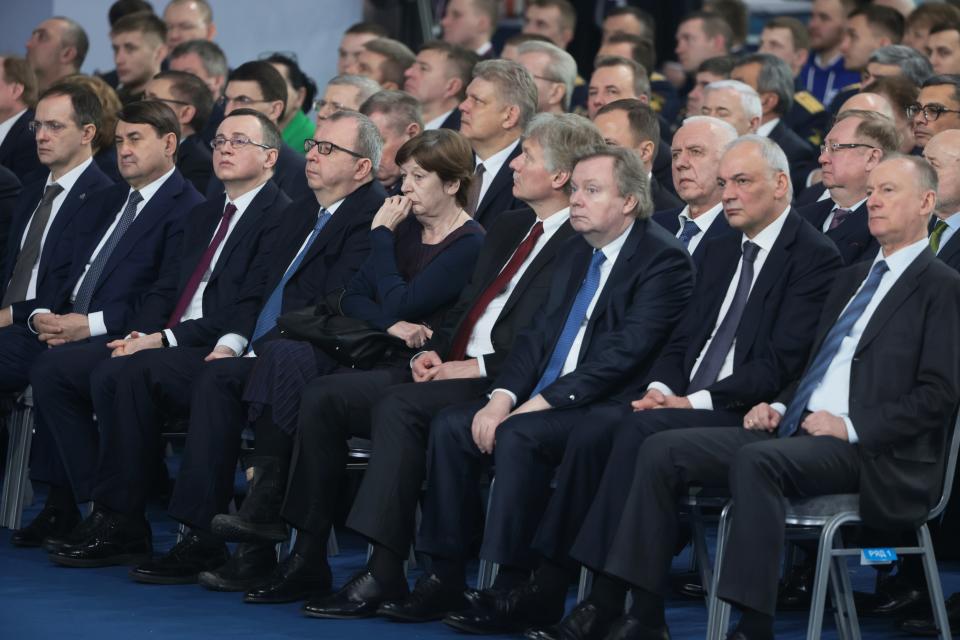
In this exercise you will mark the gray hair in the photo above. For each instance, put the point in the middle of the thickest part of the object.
(211, 56)
(630, 175)
(725, 131)
(565, 139)
(912, 63)
(749, 99)
(369, 143)
(772, 154)
(775, 77)
(514, 86)
(561, 67)
(365, 86)
(401, 109)
(929, 181)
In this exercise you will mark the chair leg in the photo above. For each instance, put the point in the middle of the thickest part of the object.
(16, 481)
(718, 611)
(487, 572)
(586, 583)
(842, 591)
(819, 594)
(333, 549)
(700, 555)
(934, 588)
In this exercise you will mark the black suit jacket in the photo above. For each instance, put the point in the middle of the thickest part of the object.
(852, 237)
(642, 300)
(663, 166)
(18, 152)
(288, 174)
(950, 252)
(670, 221)
(810, 195)
(663, 198)
(334, 257)
(801, 154)
(777, 327)
(499, 196)
(231, 275)
(904, 387)
(526, 298)
(195, 162)
(452, 121)
(9, 192)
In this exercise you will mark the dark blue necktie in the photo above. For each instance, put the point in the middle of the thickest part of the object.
(578, 313)
(712, 361)
(689, 230)
(828, 350)
(271, 310)
(81, 303)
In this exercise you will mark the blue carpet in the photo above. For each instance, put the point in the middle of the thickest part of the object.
(41, 600)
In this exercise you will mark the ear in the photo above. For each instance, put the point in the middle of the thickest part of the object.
(629, 204)
(161, 53)
(67, 54)
(768, 101)
(451, 188)
(929, 202)
(412, 130)
(170, 145)
(800, 57)
(276, 110)
(874, 158)
(557, 91)
(17, 91)
(754, 124)
(511, 117)
(783, 182)
(644, 99)
(453, 88)
(271, 160)
(88, 133)
(363, 170)
(301, 94)
(559, 180)
(646, 152)
(187, 113)
(211, 31)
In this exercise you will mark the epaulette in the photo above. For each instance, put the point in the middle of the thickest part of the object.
(656, 76)
(579, 82)
(850, 87)
(808, 101)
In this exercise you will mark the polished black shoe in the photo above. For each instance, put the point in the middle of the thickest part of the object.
(52, 544)
(527, 605)
(296, 578)
(628, 627)
(182, 564)
(797, 588)
(430, 600)
(359, 598)
(117, 540)
(692, 590)
(51, 521)
(927, 627)
(258, 519)
(248, 567)
(898, 597)
(585, 622)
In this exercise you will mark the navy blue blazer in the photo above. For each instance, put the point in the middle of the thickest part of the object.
(662, 197)
(499, 197)
(809, 195)
(57, 250)
(18, 152)
(643, 298)
(852, 237)
(777, 327)
(231, 276)
(195, 162)
(145, 255)
(801, 155)
(950, 252)
(452, 121)
(670, 221)
(289, 175)
(9, 193)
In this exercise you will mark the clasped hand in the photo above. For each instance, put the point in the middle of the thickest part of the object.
(656, 399)
(494, 413)
(764, 417)
(136, 341)
(429, 366)
(56, 329)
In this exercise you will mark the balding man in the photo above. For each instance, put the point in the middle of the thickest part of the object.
(943, 154)
(734, 102)
(56, 49)
(188, 20)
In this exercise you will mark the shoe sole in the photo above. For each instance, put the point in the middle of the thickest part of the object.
(149, 579)
(93, 563)
(397, 617)
(213, 583)
(338, 616)
(303, 596)
(230, 529)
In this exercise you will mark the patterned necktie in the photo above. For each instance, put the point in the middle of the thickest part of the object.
(828, 350)
(712, 361)
(81, 304)
(201, 269)
(839, 215)
(271, 310)
(30, 251)
(575, 318)
(690, 229)
(473, 194)
(937, 234)
(458, 348)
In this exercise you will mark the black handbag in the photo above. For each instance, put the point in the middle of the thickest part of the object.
(351, 342)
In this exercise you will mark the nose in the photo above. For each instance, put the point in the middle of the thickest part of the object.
(824, 157)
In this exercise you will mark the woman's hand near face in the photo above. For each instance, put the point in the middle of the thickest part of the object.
(392, 213)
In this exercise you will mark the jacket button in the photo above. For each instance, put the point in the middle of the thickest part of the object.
(572, 397)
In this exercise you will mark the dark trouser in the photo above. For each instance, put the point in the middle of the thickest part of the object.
(598, 466)
(63, 410)
(385, 507)
(760, 471)
(333, 409)
(19, 347)
(133, 403)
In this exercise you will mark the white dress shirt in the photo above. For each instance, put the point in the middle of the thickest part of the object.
(765, 129)
(765, 240)
(829, 219)
(482, 49)
(7, 124)
(491, 167)
(953, 223)
(703, 221)
(436, 122)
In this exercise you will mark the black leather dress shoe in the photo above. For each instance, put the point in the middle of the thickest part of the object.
(630, 628)
(692, 590)
(183, 562)
(49, 522)
(248, 567)
(117, 540)
(797, 588)
(927, 627)
(430, 600)
(898, 597)
(359, 598)
(527, 605)
(585, 622)
(296, 578)
(52, 544)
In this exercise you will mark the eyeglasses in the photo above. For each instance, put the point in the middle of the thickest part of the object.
(169, 100)
(325, 148)
(930, 111)
(320, 105)
(546, 79)
(833, 147)
(241, 101)
(237, 142)
(52, 126)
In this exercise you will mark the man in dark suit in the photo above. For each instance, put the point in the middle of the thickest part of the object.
(883, 374)
(128, 239)
(696, 149)
(221, 242)
(471, 24)
(18, 149)
(398, 118)
(611, 305)
(192, 101)
(509, 285)
(632, 124)
(258, 85)
(207, 61)
(9, 195)
(501, 100)
(438, 79)
(854, 146)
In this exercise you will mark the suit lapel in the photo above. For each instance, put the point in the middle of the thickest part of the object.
(620, 271)
(71, 205)
(10, 141)
(716, 276)
(950, 251)
(540, 261)
(905, 286)
(854, 222)
(248, 222)
(503, 178)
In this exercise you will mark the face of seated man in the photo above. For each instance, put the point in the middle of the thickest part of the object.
(598, 211)
(725, 104)
(754, 194)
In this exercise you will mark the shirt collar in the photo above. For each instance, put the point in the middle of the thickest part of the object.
(827, 65)
(151, 189)
(486, 46)
(556, 220)
(439, 120)
(70, 178)
(765, 129)
(492, 164)
(903, 258)
(332, 209)
(243, 201)
(953, 220)
(769, 235)
(705, 219)
(853, 208)
(612, 249)
(8, 123)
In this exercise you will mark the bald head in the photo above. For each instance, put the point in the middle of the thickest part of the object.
(869, 102)
(943, 153)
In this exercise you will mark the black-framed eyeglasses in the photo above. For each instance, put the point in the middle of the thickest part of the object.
(321, 104)
(930, 111)
(52, 126)
(325, 148)
(241, 101)
(237, 142)
(833, 147)
(170, 100)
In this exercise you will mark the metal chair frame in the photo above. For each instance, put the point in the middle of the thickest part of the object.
(16, 481)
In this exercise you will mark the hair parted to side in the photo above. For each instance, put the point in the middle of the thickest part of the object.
(85, 103)
(368, 143)
(444, 152)
(514, 84)
(564, 138)
(401, 109)
(269, 133)
(108, 102)
(630, 177)
(874, 127)
(18, 71)
(158, 115)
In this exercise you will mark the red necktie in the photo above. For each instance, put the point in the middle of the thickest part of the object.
(459, 347)
(197, 276)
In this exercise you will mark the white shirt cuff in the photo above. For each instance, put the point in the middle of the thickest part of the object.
(510, 394)
(415, 356)
(779, 407)
(662, 388)
(852, 436)
(482, 367)
(30, 319)
(701, 400)
(97, 326)
(171, 339)
(234, 341)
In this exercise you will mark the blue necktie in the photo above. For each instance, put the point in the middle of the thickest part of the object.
(81, 303)
(271, 310)
(690, 229)
(578, 312)
(828, 350)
